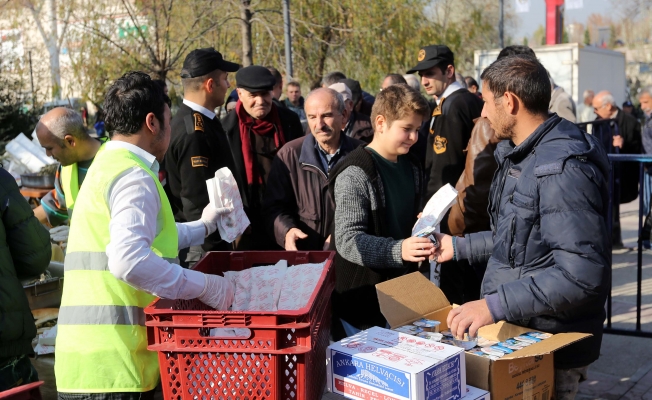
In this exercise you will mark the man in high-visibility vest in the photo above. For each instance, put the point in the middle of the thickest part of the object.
(62, 134)
(122, 253)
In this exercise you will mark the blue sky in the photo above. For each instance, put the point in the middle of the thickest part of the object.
(530, 21)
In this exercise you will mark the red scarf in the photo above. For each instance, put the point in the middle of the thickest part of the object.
(271, 123)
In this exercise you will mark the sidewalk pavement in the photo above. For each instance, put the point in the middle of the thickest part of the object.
(624, 370)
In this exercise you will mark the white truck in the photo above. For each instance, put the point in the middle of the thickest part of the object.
(575, 68)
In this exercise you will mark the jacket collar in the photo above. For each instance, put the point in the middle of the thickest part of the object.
(555, 141)
(309, 152)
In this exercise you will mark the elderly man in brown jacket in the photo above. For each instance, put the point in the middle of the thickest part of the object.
(297, 208)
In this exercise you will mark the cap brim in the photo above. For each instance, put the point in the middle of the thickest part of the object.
(427, 64)
(228, 66)
(255, 90)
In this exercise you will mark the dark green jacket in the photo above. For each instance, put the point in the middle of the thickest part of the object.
(24, 252)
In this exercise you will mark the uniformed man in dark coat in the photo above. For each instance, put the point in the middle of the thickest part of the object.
(452, 119)
(256, 130)
(448, 135)
(198, 145)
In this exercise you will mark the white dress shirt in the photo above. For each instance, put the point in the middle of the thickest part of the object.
(200, 109)
(452, 88)
(134, 204)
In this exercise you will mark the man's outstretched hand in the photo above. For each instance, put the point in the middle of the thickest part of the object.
(291, 238)
(444, 252)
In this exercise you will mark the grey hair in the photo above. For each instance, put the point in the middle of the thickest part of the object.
(645, 90)
(608, 98)
(332, 77)
(588, 93)
(337, 98)
(413, 81)
(70, 123)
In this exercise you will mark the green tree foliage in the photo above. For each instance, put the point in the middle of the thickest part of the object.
(539, 36)
(363, 40)
(587, 37)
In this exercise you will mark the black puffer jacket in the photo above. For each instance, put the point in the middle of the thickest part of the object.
(24, 252)
(549, 248)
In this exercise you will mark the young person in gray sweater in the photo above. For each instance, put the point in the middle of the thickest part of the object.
(378, 193)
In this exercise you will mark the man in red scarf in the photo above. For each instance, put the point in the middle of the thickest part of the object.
(255, 132)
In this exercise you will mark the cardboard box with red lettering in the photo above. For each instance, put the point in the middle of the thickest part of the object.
(383, 364)
(524, 374)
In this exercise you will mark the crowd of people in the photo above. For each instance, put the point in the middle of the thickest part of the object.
(527, 241)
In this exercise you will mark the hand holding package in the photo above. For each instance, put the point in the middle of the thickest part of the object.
(211, 217)
(223, 193)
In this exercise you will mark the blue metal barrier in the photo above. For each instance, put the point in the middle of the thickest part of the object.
(605, 130)
(642, 160)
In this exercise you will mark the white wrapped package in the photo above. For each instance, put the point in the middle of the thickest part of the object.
(259, 288)
(46, 341)
(223, 192)
(435, 210)
(298, 285)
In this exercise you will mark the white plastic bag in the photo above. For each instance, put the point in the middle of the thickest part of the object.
(223, 192)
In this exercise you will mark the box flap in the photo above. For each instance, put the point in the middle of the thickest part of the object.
(502, 330)
(408, 298)
(549, 345)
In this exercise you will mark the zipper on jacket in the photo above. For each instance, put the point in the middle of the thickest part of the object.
(323, 201)
(317, 168)
(511, 241)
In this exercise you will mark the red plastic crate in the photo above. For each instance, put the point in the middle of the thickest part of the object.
(282, 356)
(29, 391)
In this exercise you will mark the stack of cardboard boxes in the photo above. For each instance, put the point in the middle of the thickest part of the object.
(383, 364)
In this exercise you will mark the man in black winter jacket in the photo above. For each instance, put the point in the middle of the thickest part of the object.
(24, 252)
(548, 252)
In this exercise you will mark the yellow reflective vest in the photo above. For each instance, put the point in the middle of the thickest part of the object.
(101, 341)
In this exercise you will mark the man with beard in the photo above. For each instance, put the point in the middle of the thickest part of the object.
(548, 254)
(256, 131)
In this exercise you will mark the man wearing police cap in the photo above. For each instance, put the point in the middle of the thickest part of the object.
(449, 133)
(198, 146)
(452, 119)
(256, 130)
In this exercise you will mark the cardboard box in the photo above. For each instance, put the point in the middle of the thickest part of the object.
(473, 393)
(383, 364)
(523, 374)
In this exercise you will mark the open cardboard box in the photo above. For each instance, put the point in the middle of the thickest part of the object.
(526, 373)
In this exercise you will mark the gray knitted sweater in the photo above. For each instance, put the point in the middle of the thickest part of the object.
(355, 198)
